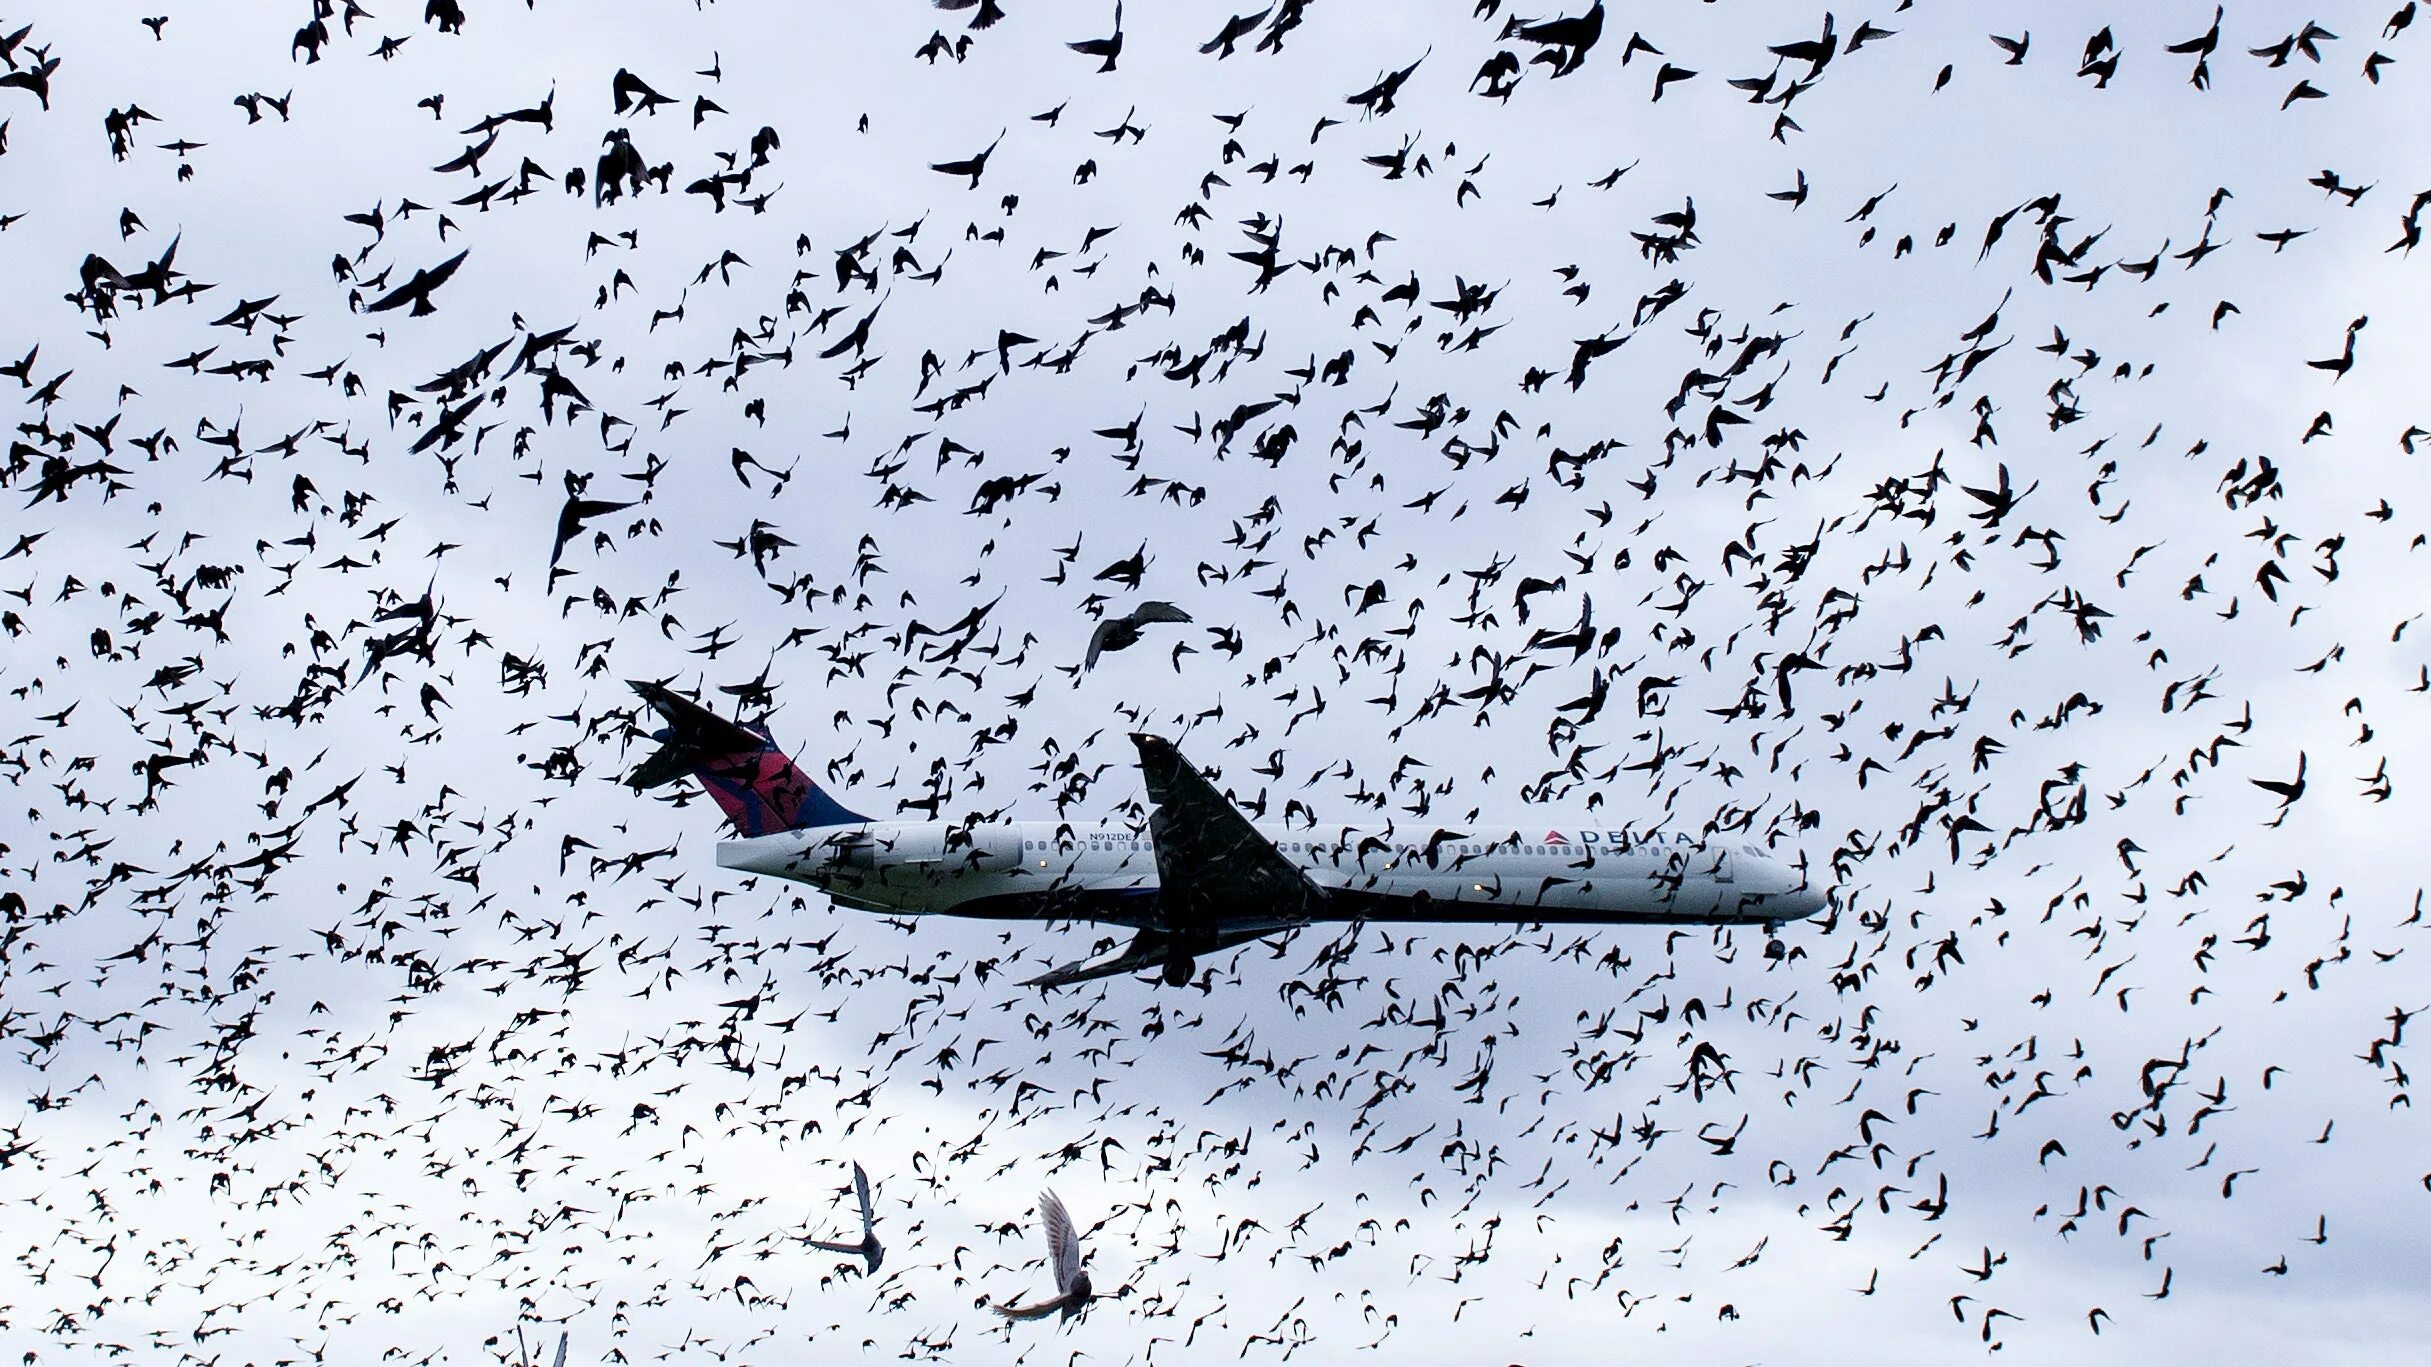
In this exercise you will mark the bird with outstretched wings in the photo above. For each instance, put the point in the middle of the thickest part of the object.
(418, 290)
(867, 1248)
(1063, 1255)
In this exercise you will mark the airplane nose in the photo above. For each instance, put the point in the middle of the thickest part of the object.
(1804, 901)
(1789, 896)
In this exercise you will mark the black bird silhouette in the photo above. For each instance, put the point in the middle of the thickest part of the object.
(974, 166)
(1121, 633)
(1816, 52)
(1575, 34)
(2288, 791)
(989, 11)
(1109, 47)
(570, 519)
(2201, 47)
(418, 290)
(2303, 90)
(1128, 570)
(1235, 29)
(35, 78)
(2344, 361)
(631, 92)
(1587, 350)
(1998, 500)
(1377, 99)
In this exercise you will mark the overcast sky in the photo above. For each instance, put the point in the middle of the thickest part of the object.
(399, 1070)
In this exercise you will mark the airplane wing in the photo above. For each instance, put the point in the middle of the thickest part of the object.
(1150, 950)
(1212, 866)
(1219, 882)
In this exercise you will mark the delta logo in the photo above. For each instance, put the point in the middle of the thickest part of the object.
(1618, 839)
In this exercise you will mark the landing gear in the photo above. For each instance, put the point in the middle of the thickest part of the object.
(1773, 948)
(1180, 969)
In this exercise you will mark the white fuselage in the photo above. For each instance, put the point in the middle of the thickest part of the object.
(1046, 869)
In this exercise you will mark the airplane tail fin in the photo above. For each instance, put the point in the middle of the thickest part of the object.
(756, 784)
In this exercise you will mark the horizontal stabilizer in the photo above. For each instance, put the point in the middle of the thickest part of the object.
(692, 734)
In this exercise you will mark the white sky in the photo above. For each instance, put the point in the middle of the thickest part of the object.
(357, 1109)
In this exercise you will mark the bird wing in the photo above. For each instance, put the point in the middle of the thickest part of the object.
(1156, 611)
(587, 508)
(400, 295)
(861, 1190)
(437, 275)
(569, 522)
(1063, 1241)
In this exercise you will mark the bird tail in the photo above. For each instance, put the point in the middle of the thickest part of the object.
(756, 784)
(1029, 1312)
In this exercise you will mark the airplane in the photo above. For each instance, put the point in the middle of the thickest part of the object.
(1199, 876)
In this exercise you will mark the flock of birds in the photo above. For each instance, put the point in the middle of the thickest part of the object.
(1583, 414)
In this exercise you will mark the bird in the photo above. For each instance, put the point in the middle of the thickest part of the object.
(630, 92)
(972, 166)
(988, 16)
(1575, 35)
(1816, 52)
(1670, 74)
(572, 517)
(2288, 791)
(1121, 633)
(35, 79)
(1064, 1259)
(867, 1248)
(1236, 28)
(2339, 365)
(1109, 48)
(418, 290)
